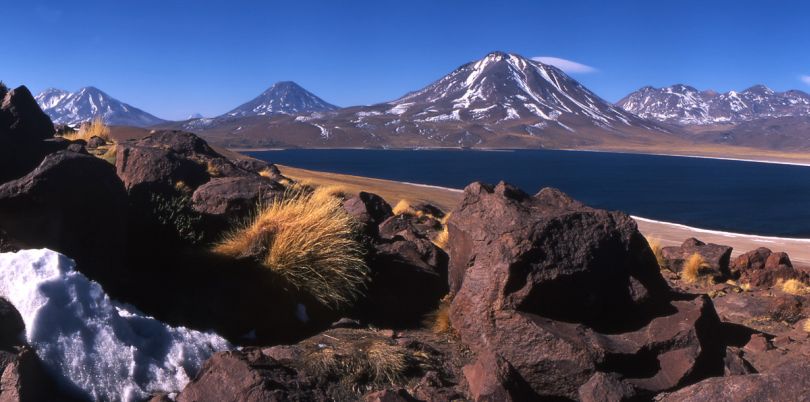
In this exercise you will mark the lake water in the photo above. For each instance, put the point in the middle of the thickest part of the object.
(731, 196)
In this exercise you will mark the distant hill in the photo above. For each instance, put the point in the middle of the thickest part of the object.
(285, 97)
(73, 108)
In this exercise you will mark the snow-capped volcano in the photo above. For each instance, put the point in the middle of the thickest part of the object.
(505, 86)
(682, 104)
(285, 97)
(88, 103)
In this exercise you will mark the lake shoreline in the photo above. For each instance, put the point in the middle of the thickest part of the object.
(668, 233)
(772, 160)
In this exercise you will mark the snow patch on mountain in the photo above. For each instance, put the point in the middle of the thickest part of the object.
(74, 108)
(284, 97)
(108, 350)
(682, 104)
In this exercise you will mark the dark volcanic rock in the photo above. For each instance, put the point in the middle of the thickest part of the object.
(71, 203)
(491, 378)
(369, 209)
(405, 270)
(604, 387)
(424, 226)
(247, 377)
(23, 131)
(231, 198)
(764, 268)
(21, 117)
(96, 142)
(562, 291)
(787, 383)
(716, 256)
(340, 364)
(24, 378)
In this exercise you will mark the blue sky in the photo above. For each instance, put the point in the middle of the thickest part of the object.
(173, 58)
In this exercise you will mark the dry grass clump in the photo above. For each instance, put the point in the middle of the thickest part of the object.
(439, 320)
(403, 207)
(307, 240)
(93, 128)
(333, 191)
(374, 361)
(794, 287)
(657, 249)
(806, 325)
(695, 270)
(442, 238)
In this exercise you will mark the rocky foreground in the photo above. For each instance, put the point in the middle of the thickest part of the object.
(529, 297)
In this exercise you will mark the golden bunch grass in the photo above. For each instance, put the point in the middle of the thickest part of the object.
(657, 249)
(806, 325)
(309, 241)
(794, 287)
(695, 269)
(439, 320)
(442, 238)
(93, 128)
(332, 191)
(403, 207)
(374, 361)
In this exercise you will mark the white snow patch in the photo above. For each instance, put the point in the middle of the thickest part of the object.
(400, 109)
(111, 351)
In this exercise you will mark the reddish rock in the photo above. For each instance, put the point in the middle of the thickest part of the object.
(248, 377)
(603, 387)
(716, 256)
(735, 364)
(787, 383)
(561, 291)
(491, 378)
(404, 224)
(762, 268)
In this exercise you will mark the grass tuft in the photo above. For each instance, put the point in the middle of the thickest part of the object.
(794, 287)
(806, 326)
(439, 320)
(403, 207)
(657, 249)
(695, 270)
(93, 128)
(369, 362)
(309, 241)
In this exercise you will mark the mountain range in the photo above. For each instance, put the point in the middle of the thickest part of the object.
(685, 105)
(501, 100)
(72, 108)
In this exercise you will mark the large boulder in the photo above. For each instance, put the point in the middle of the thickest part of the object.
(716, 256)
(231, 198)
(789, 382)
(72, 203)
(763, 268)
(24, 129)
(562, 291)
(401, 269)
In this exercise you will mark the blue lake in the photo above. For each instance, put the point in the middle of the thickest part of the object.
(732, 196)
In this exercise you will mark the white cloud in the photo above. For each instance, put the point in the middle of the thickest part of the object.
(569, 66)
(805, 79)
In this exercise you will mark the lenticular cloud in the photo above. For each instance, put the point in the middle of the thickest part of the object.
(109, 351)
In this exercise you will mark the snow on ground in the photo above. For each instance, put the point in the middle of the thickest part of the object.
(111, 351)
